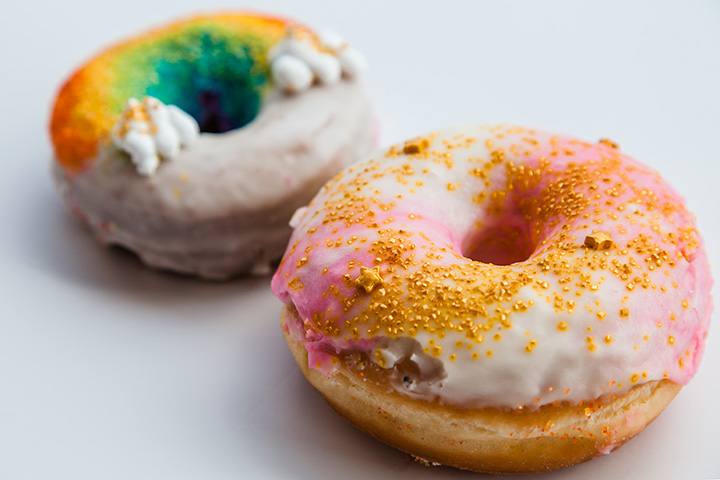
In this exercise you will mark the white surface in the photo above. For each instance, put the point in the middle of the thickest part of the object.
(111, 371)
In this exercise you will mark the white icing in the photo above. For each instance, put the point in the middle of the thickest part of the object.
(221, 208)
(415, 372)
(302, 57)
(150, 130)
(297, 217)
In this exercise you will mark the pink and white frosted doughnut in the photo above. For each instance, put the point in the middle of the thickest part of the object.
(497, 298)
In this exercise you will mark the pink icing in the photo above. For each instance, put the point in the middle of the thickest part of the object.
(595, 330)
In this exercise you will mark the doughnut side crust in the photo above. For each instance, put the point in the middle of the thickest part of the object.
(486, 440)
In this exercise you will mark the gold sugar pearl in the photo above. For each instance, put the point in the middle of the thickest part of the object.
(416, 145)
(599, 241)
(609, 143)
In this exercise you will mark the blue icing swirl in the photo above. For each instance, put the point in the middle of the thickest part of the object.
(216, 81)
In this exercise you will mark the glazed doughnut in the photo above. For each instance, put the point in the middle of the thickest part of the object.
(497, 298)
(194, 143)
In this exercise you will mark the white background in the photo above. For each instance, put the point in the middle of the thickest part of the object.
(111, 371)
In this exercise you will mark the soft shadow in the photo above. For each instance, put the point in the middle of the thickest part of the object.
(298, 435)
(58, 244)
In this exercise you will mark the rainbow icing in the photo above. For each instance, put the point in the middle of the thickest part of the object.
(215, 68)
(499, 266)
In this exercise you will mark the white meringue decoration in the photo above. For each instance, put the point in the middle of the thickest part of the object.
(150, 130)
(353, 62)
(292, 73)
(326, 56)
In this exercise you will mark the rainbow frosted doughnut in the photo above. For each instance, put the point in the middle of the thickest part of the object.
(221, 206)
(222, 55)
(497, 298)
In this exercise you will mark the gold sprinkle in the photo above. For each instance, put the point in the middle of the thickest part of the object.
(369, 278)
(380, 359)
(416, 145)
(609, 143)
(599, 241)
(562, 326)
(608, 339)
(671, 340)
(624, 313)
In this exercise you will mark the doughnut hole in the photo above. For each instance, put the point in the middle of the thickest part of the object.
(501, 243)
(218, 84)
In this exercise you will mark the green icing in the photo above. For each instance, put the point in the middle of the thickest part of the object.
(215, 74)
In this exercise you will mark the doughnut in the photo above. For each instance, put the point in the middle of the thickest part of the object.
(192, 144)
(497, 298)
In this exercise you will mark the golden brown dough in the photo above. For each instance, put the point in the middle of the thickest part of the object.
(488, 440)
